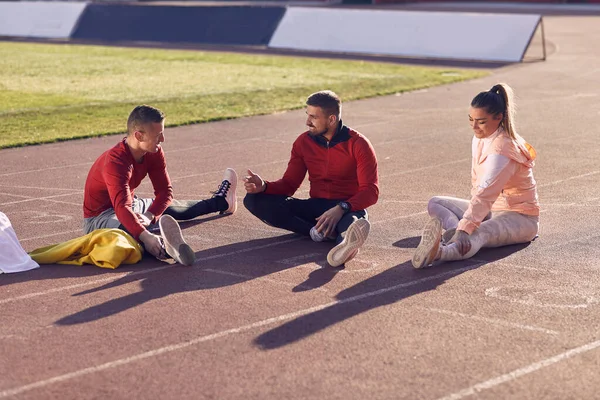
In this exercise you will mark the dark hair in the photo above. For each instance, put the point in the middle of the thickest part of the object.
(143, 115)
(328, 101)
(499, 100)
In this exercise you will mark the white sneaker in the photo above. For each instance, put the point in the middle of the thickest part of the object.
(317, 236)
(175, 245)
(227, 189)
(354, 238)
(430, 243)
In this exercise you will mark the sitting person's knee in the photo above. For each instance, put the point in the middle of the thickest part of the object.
(432, 203)
(250, 202)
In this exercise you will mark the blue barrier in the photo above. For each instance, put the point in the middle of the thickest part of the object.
(222, 25)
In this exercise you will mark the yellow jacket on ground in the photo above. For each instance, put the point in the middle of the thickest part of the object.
(106, 248)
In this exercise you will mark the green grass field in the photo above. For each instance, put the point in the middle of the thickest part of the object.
(59, 92)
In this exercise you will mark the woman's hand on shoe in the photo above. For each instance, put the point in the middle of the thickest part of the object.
(462, 240)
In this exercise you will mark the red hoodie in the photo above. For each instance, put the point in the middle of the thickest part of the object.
(113, 179)
(344, 169)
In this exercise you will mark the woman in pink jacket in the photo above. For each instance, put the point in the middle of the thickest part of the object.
(503, 208)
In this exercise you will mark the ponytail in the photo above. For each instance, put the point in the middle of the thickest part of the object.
(499, 100)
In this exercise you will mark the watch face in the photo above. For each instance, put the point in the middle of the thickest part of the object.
(345, 206)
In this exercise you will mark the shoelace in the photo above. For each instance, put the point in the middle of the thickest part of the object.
(223, 188)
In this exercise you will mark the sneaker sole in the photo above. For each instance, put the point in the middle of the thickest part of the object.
(175, 245)
(429, 245)
(232, 189)
(355, 237)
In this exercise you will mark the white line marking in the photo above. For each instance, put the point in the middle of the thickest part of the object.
(221, 170)
(262, 278)
(297, 259)
(254, 139)
(50, 235)
(568, 179)
(148, 271)
(46, 169)
(40, 198)
(217, 335)
(112, 277)
(512, 265)
(232, 253)
(36, 187)
(400, 217)
(408, 171)
(492, 321)
(66, 202)
(521, 372)
(530, 300)
(403, 201)
(16, 195)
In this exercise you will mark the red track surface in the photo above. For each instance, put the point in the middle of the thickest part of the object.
(258, 316)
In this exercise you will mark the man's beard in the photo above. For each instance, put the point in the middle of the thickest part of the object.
(317, 133)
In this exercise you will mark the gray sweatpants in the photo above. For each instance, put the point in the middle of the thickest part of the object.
(497, 229)
(108, 219)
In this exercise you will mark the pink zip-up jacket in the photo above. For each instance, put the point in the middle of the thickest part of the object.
(501, 178)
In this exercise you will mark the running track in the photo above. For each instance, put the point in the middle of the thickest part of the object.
(259, 317)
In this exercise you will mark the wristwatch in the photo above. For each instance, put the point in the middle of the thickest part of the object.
(345, 206)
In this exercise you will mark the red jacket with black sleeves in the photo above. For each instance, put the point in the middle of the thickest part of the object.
(113, 179)
(343, 169)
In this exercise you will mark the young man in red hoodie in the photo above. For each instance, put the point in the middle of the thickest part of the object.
(342, 170)
(109, 200)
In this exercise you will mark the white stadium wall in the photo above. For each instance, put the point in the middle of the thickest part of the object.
(438, 35)
(52, 20)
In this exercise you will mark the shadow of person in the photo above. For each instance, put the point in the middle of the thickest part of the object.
(388, 287)
(408, 243)
(319, 277)
(61, 271)
(58, 271)
(216, 267)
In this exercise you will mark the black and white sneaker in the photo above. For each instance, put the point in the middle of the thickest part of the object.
(227, 190)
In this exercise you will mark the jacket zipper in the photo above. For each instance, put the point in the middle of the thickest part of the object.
(327, 173)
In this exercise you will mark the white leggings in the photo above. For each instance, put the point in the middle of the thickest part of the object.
(497, 229)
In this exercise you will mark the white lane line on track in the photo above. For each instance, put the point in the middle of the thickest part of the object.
(45, 169)
(568, 179)
(381, 221)
(50, 235)
(217, 335)
(36, 187)
(40, 198)
(479, 387)
(241, 174)
(16, 195)
(493, 321)
(112, 277)
(263, 278)
(149, 271)
(408, 171)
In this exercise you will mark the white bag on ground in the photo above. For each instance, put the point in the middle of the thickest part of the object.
(13, 257)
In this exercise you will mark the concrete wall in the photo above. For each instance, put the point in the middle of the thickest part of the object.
(418, 34)
(54, 20)
(421, 34)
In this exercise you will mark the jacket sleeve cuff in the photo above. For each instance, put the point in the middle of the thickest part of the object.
(467, 226)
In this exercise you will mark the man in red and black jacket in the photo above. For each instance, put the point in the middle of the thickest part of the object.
(342, 170)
